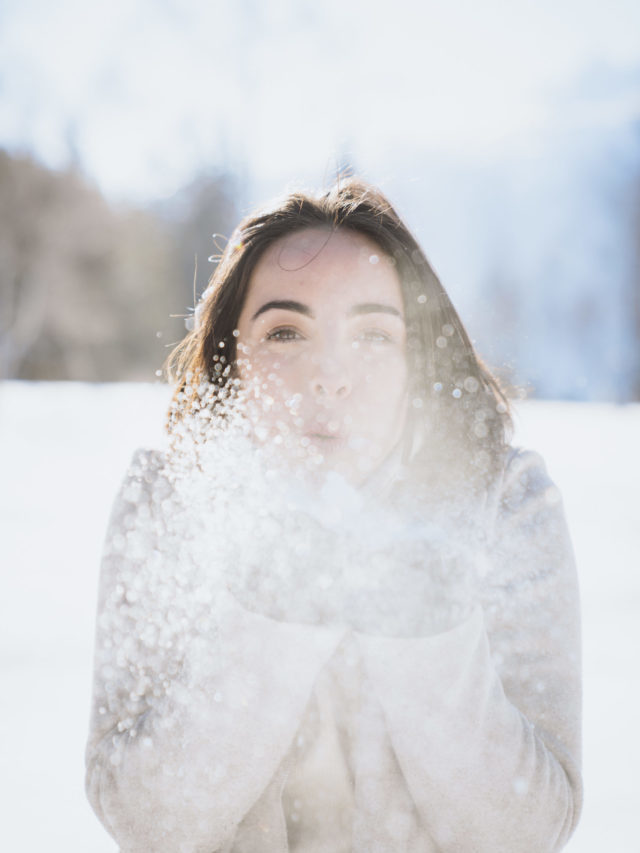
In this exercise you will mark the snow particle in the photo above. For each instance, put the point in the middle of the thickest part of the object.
(520, 786)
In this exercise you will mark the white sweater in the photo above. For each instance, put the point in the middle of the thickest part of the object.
(281, 736)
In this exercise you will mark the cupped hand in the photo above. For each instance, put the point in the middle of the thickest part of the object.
(415, 582)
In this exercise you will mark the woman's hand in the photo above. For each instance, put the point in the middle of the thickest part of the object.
(410, 581)
(413, 589)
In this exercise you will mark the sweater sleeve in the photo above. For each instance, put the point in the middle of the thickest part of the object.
(485, 718)
(196, 699)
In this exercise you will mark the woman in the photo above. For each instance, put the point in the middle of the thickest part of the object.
(340, 613)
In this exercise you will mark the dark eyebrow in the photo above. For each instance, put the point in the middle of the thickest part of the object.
(287, 305)
(373, 308)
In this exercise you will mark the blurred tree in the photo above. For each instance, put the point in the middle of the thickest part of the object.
(635, 293)
(86, 289)
(201, 217)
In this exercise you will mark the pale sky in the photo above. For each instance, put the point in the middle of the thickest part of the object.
(150, 92)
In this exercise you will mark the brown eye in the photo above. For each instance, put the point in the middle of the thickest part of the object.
(283, 334)
(374, 336)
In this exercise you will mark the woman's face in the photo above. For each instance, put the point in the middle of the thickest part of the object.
(322, 346)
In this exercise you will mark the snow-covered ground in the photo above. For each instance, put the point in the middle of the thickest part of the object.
(63, 450)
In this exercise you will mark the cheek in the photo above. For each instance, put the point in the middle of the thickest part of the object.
(275, 373)
(383, 378)
(380, 396)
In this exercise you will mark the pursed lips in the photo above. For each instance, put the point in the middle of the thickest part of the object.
(325, 427)
(324, 436)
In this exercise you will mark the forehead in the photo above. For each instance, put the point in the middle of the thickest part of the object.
(326, 267)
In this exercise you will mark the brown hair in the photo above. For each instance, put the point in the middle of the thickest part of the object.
(455, 403)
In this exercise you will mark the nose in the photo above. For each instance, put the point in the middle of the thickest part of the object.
(330, 380)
